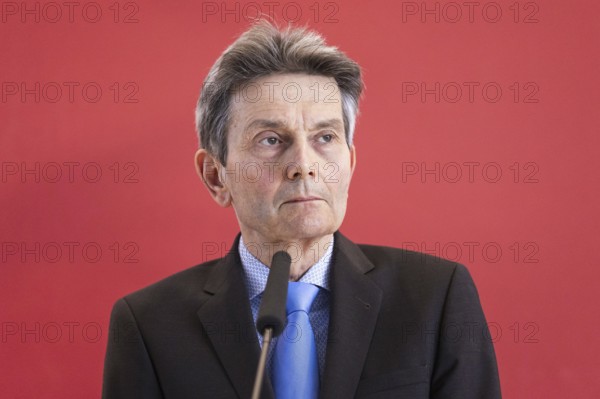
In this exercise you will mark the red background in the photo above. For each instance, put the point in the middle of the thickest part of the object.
(539, 291)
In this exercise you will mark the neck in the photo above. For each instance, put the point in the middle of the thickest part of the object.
(304, 252)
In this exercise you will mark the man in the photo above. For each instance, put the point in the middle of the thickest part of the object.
(276, 120)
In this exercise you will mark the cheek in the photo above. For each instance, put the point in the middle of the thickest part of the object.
(256, 174)
(253, 185)
(342, 180)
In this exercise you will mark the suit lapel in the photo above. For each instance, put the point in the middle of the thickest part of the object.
(355, 302)
(227, 319)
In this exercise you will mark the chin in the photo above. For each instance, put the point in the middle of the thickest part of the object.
(303, 230)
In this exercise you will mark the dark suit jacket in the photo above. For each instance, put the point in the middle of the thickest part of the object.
(402, 325)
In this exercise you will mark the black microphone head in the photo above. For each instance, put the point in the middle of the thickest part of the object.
(272, 305)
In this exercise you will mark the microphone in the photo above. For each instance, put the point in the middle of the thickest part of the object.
(272, 305)
(272, 317)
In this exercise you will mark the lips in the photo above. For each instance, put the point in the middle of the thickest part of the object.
(302, 199)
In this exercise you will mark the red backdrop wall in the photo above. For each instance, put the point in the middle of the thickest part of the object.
(477, 141)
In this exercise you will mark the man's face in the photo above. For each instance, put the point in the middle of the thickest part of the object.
(288, 163)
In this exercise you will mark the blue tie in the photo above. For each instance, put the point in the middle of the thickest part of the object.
(295, 367)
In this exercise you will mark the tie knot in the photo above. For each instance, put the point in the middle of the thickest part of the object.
(300, 296)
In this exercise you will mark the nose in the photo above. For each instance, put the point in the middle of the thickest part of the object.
(301, 164)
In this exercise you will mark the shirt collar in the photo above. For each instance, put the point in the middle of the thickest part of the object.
(256, 272)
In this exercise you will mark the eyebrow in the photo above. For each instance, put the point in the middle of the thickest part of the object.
(278, 124)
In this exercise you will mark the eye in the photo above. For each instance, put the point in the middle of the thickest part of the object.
(327, 138)
(270, 141)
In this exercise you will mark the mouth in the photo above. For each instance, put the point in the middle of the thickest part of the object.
(302, 199)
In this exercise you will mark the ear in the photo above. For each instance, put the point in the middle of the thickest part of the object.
(352, 159)
(209, 170)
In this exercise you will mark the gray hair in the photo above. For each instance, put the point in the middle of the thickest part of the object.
(264, 50)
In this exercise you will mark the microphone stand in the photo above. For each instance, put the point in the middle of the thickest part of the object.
(260, 371)
(271, 318)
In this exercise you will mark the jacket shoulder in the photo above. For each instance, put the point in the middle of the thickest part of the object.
(384, 256)
(181, 287)
(412, 270)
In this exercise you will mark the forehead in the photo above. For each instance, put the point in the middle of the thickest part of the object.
(284, 95)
